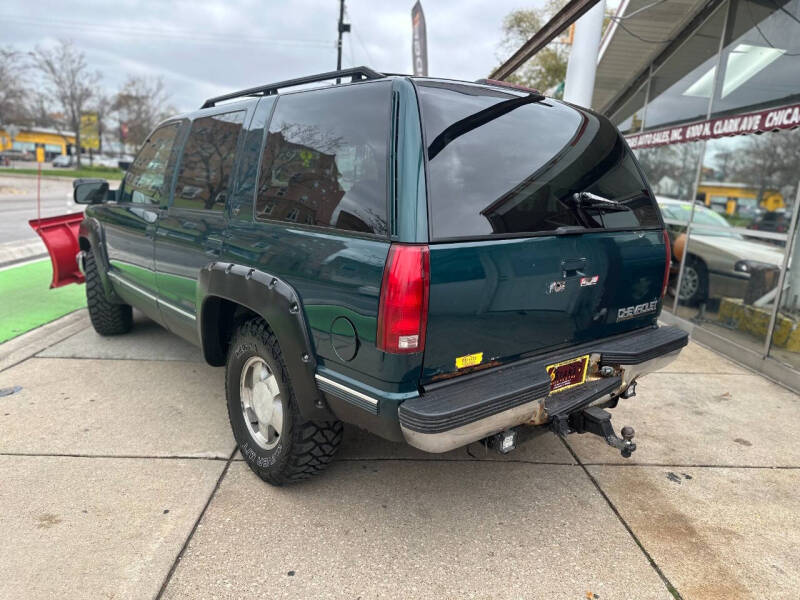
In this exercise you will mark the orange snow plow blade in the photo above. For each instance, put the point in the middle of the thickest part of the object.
(60, 236)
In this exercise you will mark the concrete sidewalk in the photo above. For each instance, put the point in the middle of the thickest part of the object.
(119, 479)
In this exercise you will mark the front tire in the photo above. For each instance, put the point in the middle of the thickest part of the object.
(275, 440)
(107, 317)
(694, 285)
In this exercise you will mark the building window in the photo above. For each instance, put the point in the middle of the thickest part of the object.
(680, 87)
(630, 118)
(761, 59)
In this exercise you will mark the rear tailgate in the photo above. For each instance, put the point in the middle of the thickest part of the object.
(517, 268)
(497, 299)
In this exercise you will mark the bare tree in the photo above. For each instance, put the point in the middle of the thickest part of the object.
(141, 104)
(547, 69)
(68, 79)
(13, 94)
(769, 160)
(102, 107)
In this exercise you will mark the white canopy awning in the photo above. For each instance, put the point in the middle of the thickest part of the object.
(628, 46)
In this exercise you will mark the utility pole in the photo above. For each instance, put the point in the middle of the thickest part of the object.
(343, 28)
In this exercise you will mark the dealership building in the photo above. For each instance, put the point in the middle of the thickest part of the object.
(27, 139)
(707, 94)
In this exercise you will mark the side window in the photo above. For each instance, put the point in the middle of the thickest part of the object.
(324, 162)
(207, 161)
(148, 178)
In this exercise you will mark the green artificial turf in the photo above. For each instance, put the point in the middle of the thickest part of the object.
(98, 172)
(26, 300)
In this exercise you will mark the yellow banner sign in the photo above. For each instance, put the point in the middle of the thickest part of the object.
(90, 135)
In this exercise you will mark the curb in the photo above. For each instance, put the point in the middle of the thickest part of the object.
(44, 177)
(14, 252)
(52, 177)
(30, 343)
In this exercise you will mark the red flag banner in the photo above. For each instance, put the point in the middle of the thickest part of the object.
(419, 45)
(785, 117)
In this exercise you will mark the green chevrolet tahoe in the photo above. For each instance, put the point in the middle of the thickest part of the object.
(438, 262)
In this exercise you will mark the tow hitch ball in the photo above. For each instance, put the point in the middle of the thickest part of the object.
(597, 421)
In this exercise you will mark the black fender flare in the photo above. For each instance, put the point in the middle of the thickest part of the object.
(279, 305)
(91, 231)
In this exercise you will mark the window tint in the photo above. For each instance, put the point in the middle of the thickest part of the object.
(148, 178)
(506, 162)
(324, 162)
(207, 161)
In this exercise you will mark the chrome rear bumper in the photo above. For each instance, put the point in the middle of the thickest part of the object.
(447, 417)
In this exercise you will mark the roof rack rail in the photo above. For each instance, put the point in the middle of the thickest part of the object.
(509, 84)
(355, 74)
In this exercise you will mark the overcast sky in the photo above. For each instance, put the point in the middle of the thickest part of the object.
(202, 48)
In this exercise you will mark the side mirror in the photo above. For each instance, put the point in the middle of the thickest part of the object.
(90, 191)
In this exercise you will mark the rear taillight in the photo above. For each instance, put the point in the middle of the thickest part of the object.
(403, 309)
(668, 252)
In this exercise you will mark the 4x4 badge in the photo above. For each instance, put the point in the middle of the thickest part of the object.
(586, 281)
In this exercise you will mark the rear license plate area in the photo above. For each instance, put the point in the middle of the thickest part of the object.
(568, 373)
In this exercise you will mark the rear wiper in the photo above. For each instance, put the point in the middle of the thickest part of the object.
(478, 119)
(588, 200)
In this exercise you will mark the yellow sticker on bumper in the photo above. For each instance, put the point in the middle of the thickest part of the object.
(470, 360)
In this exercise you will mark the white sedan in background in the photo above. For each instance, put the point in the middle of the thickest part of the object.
(719, 262)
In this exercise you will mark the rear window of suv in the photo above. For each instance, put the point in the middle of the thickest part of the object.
(508, 162)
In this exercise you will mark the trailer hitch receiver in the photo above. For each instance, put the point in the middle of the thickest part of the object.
(598, 421)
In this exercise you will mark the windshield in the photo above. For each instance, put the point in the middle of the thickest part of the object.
(505, 162)
(678, 213)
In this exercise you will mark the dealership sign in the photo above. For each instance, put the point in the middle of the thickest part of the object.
(786, 117)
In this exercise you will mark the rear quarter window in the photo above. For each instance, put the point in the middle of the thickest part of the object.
(505, 162)
(324, 161)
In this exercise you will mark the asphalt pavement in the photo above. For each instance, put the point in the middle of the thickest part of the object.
(119, 478)
(18, 205)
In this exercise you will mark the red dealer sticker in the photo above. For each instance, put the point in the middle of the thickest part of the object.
(567, 374)
(785, 117)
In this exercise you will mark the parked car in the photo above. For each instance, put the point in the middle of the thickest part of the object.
(719, 259)
(102, 161)
(776, 221)
(124, 161)
(64, 161)
(434, 261)
(13, 154)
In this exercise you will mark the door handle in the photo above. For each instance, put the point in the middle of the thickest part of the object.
(573, 266)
